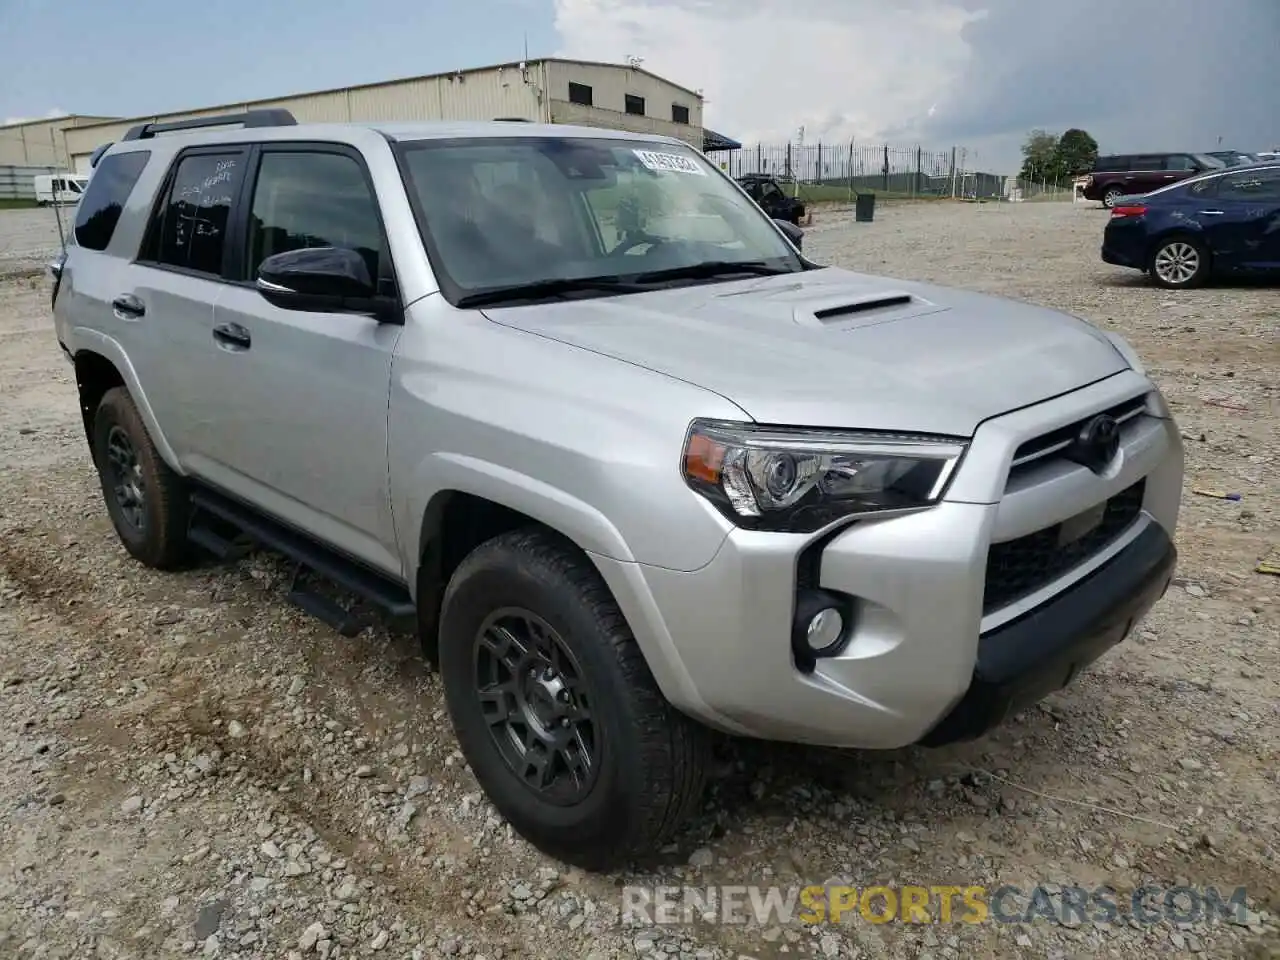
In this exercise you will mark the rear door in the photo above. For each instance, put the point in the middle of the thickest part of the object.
(1146, 172)
(180, 272)
(1242, 221)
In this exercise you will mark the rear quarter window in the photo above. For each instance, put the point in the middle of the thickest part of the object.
(104, 199)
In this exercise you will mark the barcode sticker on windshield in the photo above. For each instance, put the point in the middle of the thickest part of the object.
(672, 162)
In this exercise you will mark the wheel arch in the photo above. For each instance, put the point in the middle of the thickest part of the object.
(457, 519)
(100, 363)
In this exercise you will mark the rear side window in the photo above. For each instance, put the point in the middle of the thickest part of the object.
(1262, 185)
(190, 231)
(105, 197)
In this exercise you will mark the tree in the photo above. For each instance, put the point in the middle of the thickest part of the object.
(1075, 153)
(1039, 154)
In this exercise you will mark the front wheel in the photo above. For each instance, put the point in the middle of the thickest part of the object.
(1110, 198)
(1179, 263)
(555, 708)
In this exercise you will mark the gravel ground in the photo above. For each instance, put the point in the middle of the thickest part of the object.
(189, 766)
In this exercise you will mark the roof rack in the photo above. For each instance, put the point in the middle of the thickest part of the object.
(250, 118)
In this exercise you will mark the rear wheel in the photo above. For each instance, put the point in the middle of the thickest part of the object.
(555, 708)
(1179, 263)
(1110, 197)
(146, 500)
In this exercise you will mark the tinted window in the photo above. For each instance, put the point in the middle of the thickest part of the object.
(1151, 162)
(1178, 161)
(313, 200)
(192, 227)
(105, 197)
(1256, 185)
(1111, 164)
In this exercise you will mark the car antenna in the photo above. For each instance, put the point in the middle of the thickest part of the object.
(62, 237)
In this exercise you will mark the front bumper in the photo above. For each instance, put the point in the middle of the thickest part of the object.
(925, 662)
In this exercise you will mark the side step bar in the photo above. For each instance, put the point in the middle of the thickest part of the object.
(214, 514)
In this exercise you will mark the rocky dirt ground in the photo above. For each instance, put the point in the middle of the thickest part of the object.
(189, 766)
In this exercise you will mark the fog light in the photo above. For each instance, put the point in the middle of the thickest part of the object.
(825, 630)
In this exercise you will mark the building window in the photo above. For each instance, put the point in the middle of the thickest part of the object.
(580, 93)
(679, 114)
(635, 105)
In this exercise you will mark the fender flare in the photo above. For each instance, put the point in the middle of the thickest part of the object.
(91, 341)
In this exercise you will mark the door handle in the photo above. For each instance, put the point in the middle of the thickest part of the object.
(232, 335)
(128, 306)
(1211, 213)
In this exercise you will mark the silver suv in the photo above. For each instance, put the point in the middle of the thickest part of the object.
(636, 468)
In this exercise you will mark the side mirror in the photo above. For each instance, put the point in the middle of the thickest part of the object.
(323, 280)
(794, 233)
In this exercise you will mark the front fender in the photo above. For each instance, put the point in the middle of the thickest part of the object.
(439, 472)
(93, 341)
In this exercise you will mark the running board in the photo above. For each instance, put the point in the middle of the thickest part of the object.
(213, 511)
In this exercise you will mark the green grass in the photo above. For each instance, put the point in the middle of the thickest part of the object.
(6, 204)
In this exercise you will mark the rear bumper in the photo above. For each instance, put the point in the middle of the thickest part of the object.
(1023, 661)
(1121, 258)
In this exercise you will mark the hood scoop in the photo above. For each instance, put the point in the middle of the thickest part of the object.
(861, 311)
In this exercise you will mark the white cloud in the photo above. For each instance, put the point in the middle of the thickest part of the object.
(53, 114)
(840, 68)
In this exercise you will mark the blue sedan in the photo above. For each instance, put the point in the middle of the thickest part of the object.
(1220, 223)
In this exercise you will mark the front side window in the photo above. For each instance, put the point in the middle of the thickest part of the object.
(104, 200)
(503, 212)
(1178, 161)
(192, 224)
(313, 199)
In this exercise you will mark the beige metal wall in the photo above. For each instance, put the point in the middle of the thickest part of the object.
(609, 87)
(467, 95)
(39, 142)
(538, 93)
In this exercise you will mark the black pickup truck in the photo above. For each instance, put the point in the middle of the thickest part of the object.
(765, 191)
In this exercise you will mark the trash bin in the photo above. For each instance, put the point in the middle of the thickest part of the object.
(864, 207)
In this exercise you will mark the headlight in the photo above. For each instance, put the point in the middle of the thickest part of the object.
(801, 480)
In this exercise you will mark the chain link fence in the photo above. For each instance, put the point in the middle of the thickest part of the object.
(834, 172)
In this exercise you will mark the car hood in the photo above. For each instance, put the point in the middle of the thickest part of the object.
(831, 348)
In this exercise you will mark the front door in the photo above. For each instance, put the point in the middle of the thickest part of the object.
(304, 431)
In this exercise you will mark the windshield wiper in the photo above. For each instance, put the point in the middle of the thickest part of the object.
(541, 289)
(710, 269)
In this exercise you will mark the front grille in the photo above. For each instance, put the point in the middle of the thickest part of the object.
(1055, 441)
(1020, 567)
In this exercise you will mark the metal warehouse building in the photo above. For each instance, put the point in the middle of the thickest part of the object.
(40, 143)
(546, 91)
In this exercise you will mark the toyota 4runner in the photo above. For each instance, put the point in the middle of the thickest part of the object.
(636, 469)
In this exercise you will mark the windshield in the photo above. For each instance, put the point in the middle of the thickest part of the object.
(500, 213)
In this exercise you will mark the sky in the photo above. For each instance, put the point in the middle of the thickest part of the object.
(1137, 74)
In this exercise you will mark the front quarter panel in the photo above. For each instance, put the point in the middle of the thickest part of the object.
(586, 444)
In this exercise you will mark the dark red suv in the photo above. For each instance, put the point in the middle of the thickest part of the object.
(1120, 174)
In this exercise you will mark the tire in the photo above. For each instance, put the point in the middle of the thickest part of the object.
(650, 760)
(1179, 263)
(1110, 197)
(146, 500)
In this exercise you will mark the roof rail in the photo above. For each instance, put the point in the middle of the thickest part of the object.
(250, 118)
